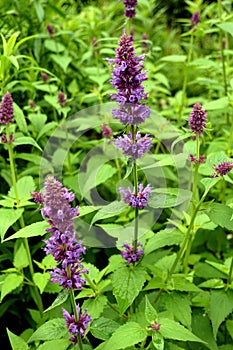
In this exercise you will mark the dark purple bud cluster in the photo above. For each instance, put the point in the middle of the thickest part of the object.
(222, 169)
(130, 8)
(134, 200)
(6, 109)
(155, 326)
(76, 327)
(195, 19)
(129, 255)
(194, 159)
(4, 138)
(197, 120)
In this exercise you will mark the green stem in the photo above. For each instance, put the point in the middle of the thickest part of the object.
(229, 280)
(135, 180)
(21, 220)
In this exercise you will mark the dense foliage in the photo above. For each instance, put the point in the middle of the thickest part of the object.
(116, 202)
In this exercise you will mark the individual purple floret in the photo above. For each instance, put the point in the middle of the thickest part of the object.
(129, 255)
(6, 109)
(136, 201)
(222, 169)
(193, 159)
(76, 327)
(197, 120)
(134, 148)
(37, 197)
(130, 8)
(106, 131)
(195, 18)
(155, 326)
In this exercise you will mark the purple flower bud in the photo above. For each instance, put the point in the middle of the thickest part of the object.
(32, 104)
(134, 148)
(134, 200)
(6, 109)
(45, 77)
(50, 30)
(61, 99)
(129, 255)
(222, 169)
(197, 120)
(155, 326)
(37, 197)
(79, 326)
(5, 140)
(106, 131)
(193, 159)
(195, 18)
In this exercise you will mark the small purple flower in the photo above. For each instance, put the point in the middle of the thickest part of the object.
(195, 18)
(106, 131)
(222, 169)
(79, 326)
(197, 120)
(155, 326)
(134, 200)
(6, 109)
(193, 159)
(129, 255)
(69, 278)
(32, 104)
(134, 148)
(130, 8)
(61, 98)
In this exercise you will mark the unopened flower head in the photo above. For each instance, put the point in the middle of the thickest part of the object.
(129, 255)
(134, 148)
(4, 138)
(130, 8)
(6, 109)
(155, 326)
(61, 98)
(194, 159)
(195, 18)
(76, 327)
(106, 131)
(222, 169)
(134, 200)
(197, 120)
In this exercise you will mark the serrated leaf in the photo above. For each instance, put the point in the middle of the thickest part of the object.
(102, 328)
(218, 314)
(150, 312)
(173, 330)
(11, 282)
(25, 185)
(17, 343)
(202, 328)
(41, 280)
(95, 306)
(158, 341)
(179, 305)
(125, 336)
(61, 299)
(164, 238)
(221, 215)
(127, 284)
(20, 257)
(53, 329)
(33, 230)
(7, 218)
(26, 140)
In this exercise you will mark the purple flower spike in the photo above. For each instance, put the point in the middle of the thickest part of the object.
(129, 255)
(136, 201)
(134, 149)
(76, 327)
(197, 120)
(130, 8)
(222, 169)
(6, 109)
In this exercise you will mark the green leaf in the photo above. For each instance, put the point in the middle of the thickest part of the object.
(150, 312)
(53, 45)
(209, 183)
(26, 140)
(173, 330)
(218, 314)
(25, 185)
(20, 118)
(20, 257)
(95, 306)
(168, 197)
(17, 343)
(202, 328)
(58, 344)
(33, 230)
(102, 328)
(11, 282)
(127, 283)
(62, 60)
(53, 329)
(158, 341)
(7, 218)
(174, 58)
(164, 238)
(179, 305)
(221, 215)
(226, 27)
(220, 103)
(61, 299)
(229, 325)
(41, 280)
(105, 172)
(109, 211)
(125, 336)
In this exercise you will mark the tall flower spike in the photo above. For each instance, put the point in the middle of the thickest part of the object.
(6, 109)
(130, 8)
(127, 78)
(197, 120)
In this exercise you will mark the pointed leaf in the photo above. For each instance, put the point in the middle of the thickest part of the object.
(11, 282)
(41, 280)
(20, 257)
(53, 329)
(150, 312)
(36, 229)
(7, 218)
(17, 343)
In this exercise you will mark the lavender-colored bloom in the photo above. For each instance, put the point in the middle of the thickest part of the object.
(37, 197)
(130, 8)
(106, 131)
(61, 99)
(222, 169)
(134, 200)
(76, 327)
(134, 148)
(6, 109)
(69, 279)
(131, 114)
(129, 255)
(194, 159)
(197, 120)
(155, 326)
(195, 18)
